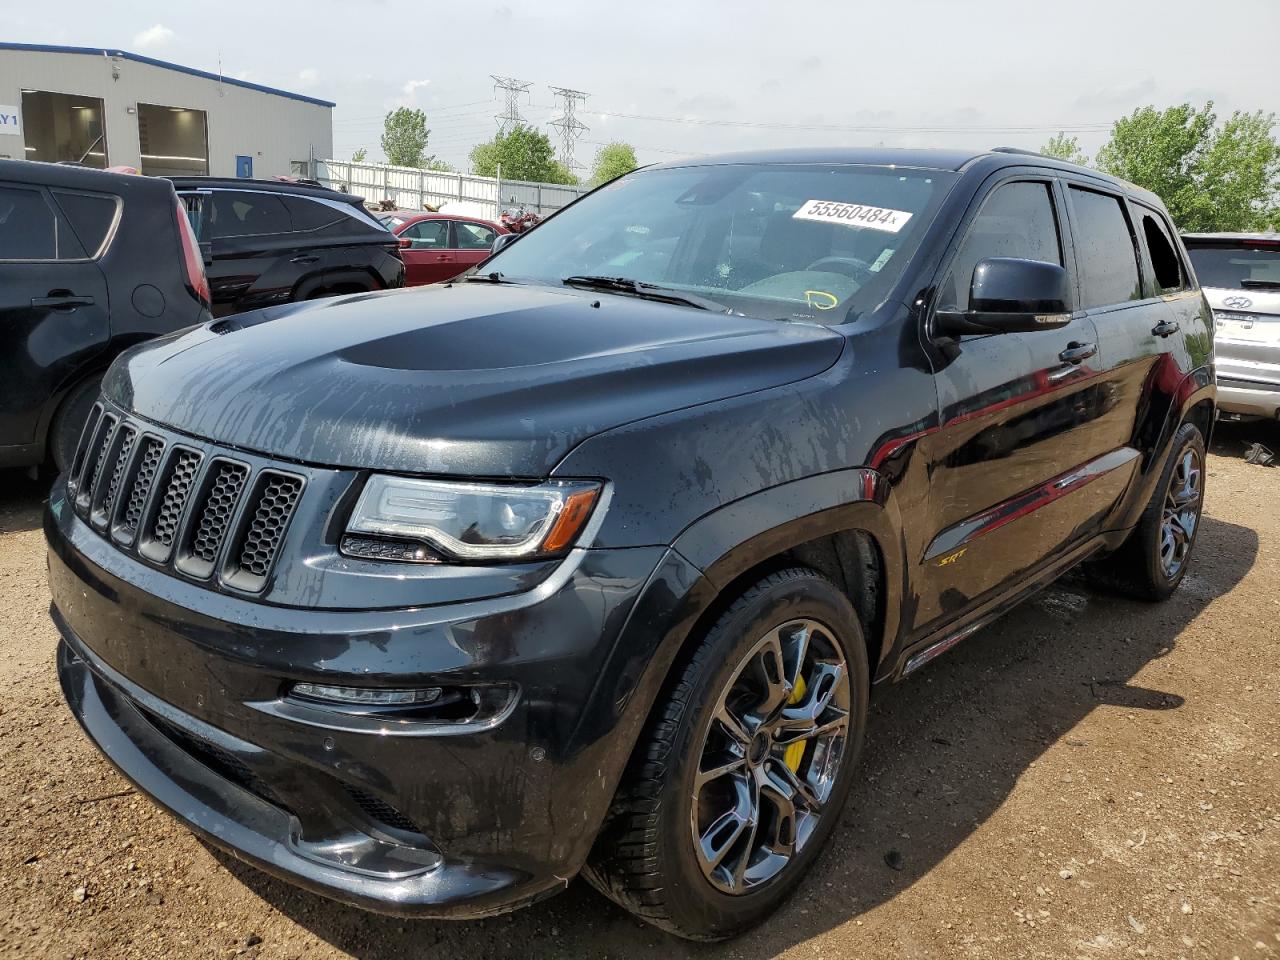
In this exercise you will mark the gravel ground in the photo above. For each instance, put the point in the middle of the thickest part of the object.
(1089, 777)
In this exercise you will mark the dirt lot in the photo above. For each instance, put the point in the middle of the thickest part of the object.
(1090, 777)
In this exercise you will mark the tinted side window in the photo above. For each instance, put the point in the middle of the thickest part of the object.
(1016, 220)
(28, 227)
(91, 216)
(428, 234)
(1104, 250)
(309, 215)
(474, 236)
(1165, 265)
(236, 214)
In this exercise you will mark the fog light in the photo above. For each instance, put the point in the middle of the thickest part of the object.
(366, 696)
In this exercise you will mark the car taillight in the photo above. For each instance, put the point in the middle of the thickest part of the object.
(192, 259)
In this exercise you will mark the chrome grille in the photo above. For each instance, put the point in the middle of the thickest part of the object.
(202, 511)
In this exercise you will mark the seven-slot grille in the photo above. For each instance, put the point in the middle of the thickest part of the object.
(203, 512)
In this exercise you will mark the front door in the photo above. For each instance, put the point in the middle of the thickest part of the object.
(54, 315)
(1017, 470)
(429, 258)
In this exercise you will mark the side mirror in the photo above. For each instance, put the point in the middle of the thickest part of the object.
(503, 240)
(1010, 295)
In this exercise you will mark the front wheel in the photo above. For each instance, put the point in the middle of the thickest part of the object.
(1155, 558)
(742, 771)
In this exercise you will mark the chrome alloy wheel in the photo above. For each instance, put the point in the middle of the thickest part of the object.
(1181, 513)
(771, 756)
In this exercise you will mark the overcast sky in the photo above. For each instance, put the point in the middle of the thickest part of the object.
(715, 74)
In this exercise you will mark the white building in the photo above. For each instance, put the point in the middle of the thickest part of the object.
(112, 108)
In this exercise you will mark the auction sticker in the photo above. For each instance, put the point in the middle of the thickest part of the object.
(853, 215)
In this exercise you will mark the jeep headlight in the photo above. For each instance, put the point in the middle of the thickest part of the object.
(476, 521)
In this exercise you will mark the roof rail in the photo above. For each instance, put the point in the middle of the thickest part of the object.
(1017, 150)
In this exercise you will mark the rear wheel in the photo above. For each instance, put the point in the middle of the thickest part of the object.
(1155, 558)
(68, 422)
(744, 768)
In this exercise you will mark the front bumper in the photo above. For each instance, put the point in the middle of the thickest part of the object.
(185, 691)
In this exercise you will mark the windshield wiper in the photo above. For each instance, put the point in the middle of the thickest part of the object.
(494, 277)
(1261, 284)
(647, 291)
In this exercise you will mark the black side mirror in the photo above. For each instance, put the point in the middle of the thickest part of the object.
(1010, 295)
(503, 240)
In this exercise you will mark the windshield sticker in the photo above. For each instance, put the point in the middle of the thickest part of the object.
(853, 215)
(820, 299)
(882, 260)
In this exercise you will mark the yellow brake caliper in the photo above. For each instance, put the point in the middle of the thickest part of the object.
(795, 753)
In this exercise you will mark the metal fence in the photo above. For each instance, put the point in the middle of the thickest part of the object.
(413, 189)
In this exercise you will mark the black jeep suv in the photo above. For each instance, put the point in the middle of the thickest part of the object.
(268, 242)
(428, 601)
(90, 263)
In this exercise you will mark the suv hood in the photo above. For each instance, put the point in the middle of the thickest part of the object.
(472, 379)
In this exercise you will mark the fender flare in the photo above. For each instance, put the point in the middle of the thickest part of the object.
(741, 535)
(328, 278)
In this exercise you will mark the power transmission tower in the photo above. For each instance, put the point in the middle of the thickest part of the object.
(510, 115)
(570, 127)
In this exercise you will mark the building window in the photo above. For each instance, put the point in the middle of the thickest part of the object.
(63, 127)
(173, 141)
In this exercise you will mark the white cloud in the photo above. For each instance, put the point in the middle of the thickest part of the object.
(308, 76)
(153, 37)
(412, 87)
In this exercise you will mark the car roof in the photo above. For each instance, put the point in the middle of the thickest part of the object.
(417, 215)
(74, 176)
(915, 157)
(1268, 237)
(267, 186)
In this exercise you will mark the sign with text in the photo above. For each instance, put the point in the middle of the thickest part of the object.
(10, 120)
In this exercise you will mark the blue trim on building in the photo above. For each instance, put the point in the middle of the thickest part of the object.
(151, 61)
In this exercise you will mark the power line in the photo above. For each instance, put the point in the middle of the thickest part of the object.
(570, 127)
(511, 88)
(1045, 128)
(431, 111)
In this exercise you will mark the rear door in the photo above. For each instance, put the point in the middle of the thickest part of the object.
(472, 243)
(1016, 474)
(1137, 332)
(54, 314)
(252, 249)
(429, 258)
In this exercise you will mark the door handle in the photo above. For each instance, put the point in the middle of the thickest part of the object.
(1165, 328)
(1078, 352)
(442, 257)
(305, 258)
(59, 300)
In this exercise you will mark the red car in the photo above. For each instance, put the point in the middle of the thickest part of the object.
(439, 246)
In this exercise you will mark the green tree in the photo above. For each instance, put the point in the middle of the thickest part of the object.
(613, 160)
(404, 137)
(523, 154)
(1065, 148)
(1210, 177)
(360, 155)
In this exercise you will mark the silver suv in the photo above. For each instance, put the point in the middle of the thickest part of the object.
(1240, 274)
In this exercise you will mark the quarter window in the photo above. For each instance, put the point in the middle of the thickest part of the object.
(236, 214)
(428, 234)
(1165, 264)
(1104, 250)
(1017, 220)
(91, 216)
(474, 236)
(308, 214)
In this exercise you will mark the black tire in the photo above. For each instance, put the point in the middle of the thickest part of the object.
(644, 858)
(1138, 569)
(68, 422)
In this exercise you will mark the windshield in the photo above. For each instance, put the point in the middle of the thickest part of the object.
(778, 241)
(1224, 265)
